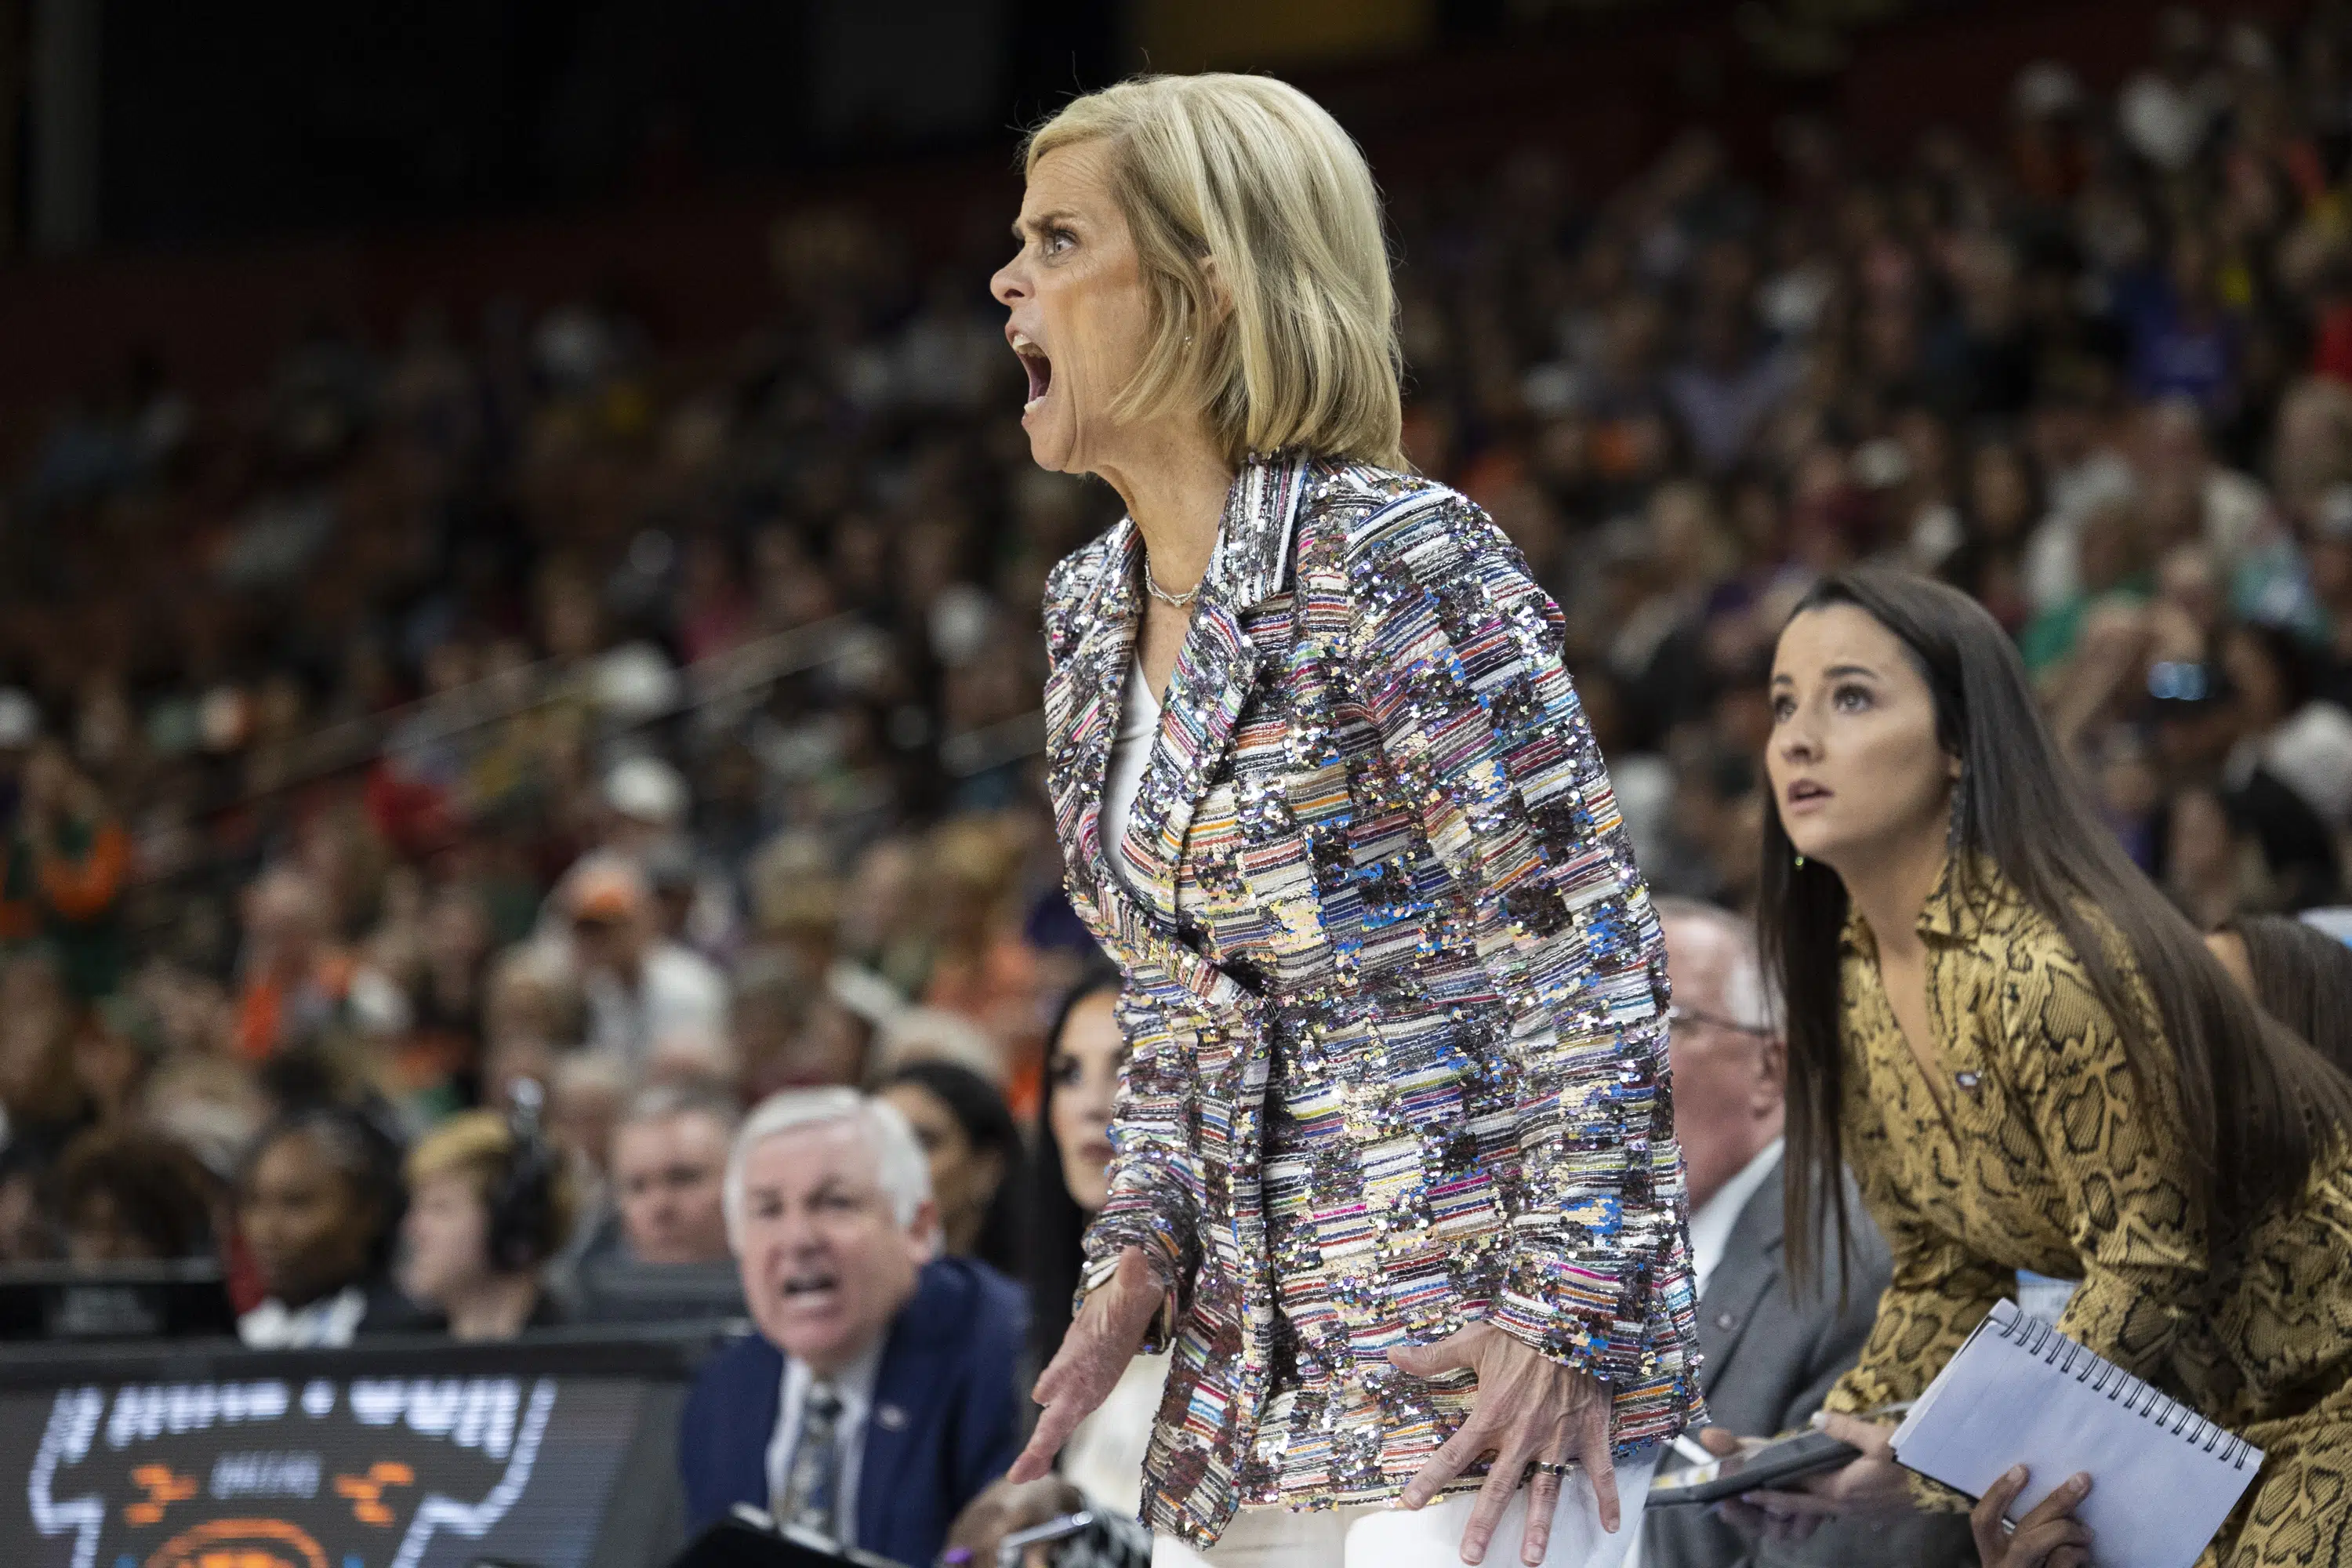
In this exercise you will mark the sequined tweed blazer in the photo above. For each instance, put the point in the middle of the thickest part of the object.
(1394, 999)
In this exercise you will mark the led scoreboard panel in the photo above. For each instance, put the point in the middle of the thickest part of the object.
(428, 1456)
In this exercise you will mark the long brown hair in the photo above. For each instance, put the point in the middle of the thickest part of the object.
(2303, 977)
(2253, 1104)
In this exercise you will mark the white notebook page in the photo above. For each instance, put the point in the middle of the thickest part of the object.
(2162, 1477)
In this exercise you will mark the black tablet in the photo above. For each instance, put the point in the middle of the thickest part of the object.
(1783, 1459)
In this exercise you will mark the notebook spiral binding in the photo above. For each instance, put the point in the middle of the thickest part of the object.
(2037, 1338)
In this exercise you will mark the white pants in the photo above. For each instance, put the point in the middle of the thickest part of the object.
(1375, 1536)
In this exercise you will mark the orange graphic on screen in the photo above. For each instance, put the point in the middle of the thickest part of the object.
(162, 1489)
(240, 1543)
(366, 1491)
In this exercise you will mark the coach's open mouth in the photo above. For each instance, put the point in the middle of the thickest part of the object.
(1040, 368)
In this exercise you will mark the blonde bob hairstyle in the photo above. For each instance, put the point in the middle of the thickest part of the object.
(479, 1147)
(1258, 230)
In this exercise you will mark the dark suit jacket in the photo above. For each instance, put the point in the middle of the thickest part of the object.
(1770, 1357)
(945, 1419)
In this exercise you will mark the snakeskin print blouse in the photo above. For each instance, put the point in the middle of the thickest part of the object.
(1394, 997)
(2040, 1150)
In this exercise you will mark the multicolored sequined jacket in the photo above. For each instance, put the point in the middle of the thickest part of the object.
(1395, 994)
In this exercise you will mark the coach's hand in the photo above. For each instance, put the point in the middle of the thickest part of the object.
(1103, 1338)
(1530, 1410)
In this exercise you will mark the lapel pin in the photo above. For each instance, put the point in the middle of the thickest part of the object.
(892, 1419)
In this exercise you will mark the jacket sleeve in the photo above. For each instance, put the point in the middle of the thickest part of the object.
(1456, 657)
(2141, 1242)
(1939, 1292)
(1155, 1183)
(1937, 1295)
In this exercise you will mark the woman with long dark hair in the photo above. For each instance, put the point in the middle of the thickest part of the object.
(969, 1136)
(2030, 1061)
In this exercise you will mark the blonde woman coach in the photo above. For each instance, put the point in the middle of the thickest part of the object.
(1396, 1177)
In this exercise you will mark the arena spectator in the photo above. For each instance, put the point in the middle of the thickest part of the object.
(488, 1210)
(318, 1207)
(975, 1156)
(648, 800)
(646, 993)
(62, 872)
(657, 1250)
(669, 1171)
(585, 1097)
(983, 967)
(125, 1197)
(2287, 728)
(533, 1018)
(879, 1396)
(297, 981)
(39, 1091)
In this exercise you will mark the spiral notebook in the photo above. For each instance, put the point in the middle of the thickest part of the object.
(2163, 1478)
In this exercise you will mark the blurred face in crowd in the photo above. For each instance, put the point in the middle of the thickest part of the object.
(584, 1104)
(457, 932)
(611, 942)
(668, 1172)
(1727, 1073)
(447, 1235)
(98, 1231)
(308, 1231)
(285, 916)
(1085, 1068)
(826, 1263)
(1080, 312)
(1856, 768)
(878, 901)
(964, 1178)
(2003, 491)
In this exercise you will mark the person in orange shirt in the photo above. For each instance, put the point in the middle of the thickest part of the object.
(296, 980)
(64, 873)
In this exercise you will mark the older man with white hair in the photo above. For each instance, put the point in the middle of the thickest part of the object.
(879, 1395)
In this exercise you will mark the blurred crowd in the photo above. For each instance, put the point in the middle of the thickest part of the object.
(520, 701)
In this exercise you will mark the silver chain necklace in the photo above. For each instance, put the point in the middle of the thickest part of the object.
(1177, 601)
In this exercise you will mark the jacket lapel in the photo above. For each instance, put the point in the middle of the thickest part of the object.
(907, 1388)
(1216, 671)
(1749, 1267)
(742, 1448)
(1083, 695)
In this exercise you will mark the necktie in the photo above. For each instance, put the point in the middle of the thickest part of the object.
(810, 1479)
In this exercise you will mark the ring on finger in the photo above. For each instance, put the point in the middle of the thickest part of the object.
(1553, 1469)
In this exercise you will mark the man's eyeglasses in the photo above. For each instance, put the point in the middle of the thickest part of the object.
(1676, 1014)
